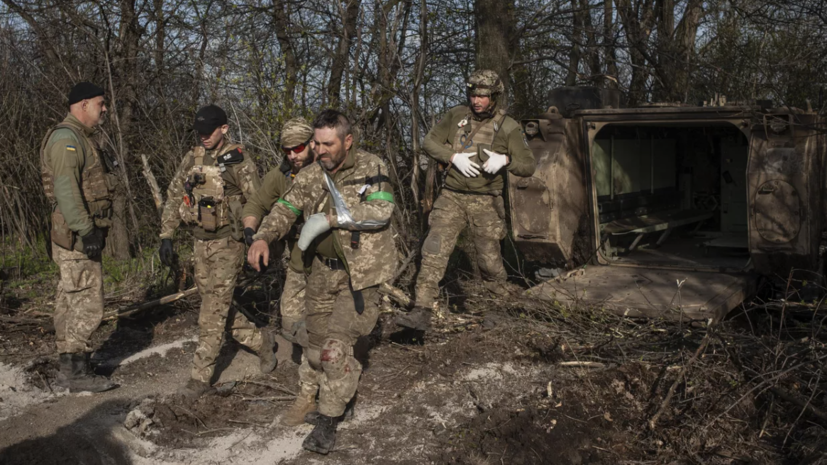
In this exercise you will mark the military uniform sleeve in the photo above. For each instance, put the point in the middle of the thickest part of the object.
(522, 161)
(246, 177)
(171, 218)
(68, 161)
(378, 204)
(272, 187)
(442, 134)
(284, 213)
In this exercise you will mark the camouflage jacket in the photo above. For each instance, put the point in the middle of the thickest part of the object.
(239, 179)
(441, 144)
(273, 187)
(363, 182)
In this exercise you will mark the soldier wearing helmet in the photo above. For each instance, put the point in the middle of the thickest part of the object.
(479, 143)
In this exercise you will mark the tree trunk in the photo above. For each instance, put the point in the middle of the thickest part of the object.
(419, 74)
(576, 39)
(281, 21)
(126, 71)
(592, 48)
(495, 39)
(638, 18)
(609, 45)
(342, 53)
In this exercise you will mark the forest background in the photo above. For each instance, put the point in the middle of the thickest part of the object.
(394, 65)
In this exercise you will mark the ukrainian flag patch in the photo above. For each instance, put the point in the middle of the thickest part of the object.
(71, 148)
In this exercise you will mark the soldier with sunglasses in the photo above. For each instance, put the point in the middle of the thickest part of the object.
(298, 154)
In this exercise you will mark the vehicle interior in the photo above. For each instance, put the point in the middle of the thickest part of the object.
(672, 195)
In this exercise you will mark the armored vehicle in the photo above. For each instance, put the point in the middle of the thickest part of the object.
(669, 210)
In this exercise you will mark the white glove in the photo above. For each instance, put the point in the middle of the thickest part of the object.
(462, 161)
(495, 162)
(315, 226)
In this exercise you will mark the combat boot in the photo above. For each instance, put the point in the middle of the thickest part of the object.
(76, 375)
(323, 437)
(304, 405)
(502, 289)
(267, 354)
(194, 389)
(418, 319)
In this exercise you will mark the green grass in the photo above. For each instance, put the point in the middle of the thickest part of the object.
(22, 261)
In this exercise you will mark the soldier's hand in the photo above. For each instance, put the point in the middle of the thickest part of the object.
(258, 251)
(315, 226)
(166, 253)
(462, 161)
(495, 162)
(93, 244)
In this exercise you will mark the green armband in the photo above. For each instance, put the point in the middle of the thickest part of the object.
(289, 205)
(381, 195)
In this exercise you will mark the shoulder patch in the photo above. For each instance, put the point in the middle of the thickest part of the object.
(232, 157)
(71, 148)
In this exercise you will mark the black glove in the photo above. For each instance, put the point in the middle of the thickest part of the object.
(248, 236)
(93, 244)
(166, 253)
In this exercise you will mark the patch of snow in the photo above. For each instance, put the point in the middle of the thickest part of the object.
(160, 350)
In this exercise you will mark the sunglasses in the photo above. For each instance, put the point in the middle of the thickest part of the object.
(298, 149)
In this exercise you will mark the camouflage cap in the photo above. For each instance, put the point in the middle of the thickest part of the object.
(484, 82)
(296, 131)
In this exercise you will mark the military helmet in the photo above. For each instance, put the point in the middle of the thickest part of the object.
(484, 82)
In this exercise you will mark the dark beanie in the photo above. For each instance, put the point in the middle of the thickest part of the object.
(82, 91)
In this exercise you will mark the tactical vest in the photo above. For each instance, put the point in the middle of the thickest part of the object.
(204, 203)
(472, 134)
(93, 177)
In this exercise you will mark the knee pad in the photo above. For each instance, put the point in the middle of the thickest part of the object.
(336, 358)
(432, 245)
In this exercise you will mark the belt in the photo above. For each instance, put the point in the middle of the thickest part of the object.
(332, 263)
(494, 193)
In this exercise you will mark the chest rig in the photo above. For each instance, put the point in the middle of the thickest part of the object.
(473, 135)
(94, 185)
(205, 203)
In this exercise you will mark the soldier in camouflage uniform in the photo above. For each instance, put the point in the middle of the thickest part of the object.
(295, 142)
(207, 194)
(465, 138)
(346, 201)
(78, 184)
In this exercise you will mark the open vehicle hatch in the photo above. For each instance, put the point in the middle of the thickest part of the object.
(652, 293)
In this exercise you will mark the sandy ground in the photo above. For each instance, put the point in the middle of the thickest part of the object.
(411, 408)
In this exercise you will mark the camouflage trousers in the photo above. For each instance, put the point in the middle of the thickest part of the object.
(336, 317)
(217, 266)
(453, 211)
(79, 300)
(292, 304)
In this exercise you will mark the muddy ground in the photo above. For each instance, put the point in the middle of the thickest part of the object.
(514, 382)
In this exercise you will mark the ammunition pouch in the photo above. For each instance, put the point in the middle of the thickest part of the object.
(60, 233)
(208, 214)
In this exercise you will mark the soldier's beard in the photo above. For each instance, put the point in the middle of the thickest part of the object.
(329, 162)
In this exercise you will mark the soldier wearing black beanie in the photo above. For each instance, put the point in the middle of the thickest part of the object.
(79, 190)
(84, 91)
